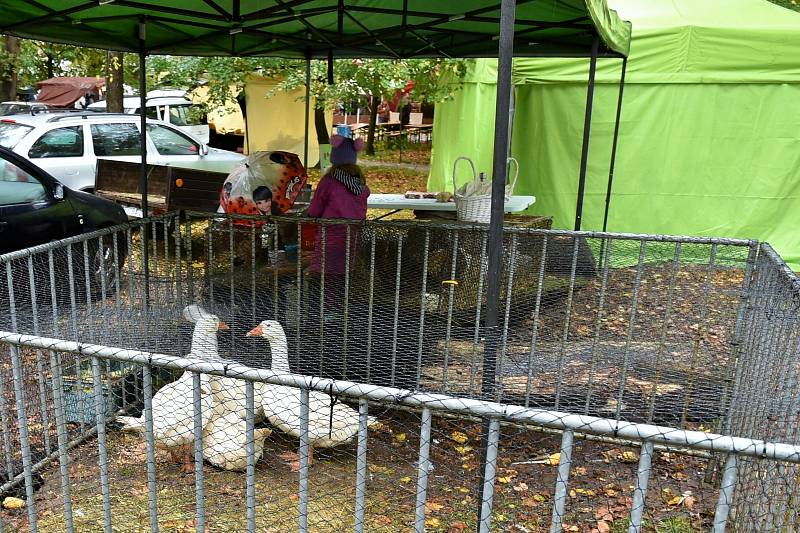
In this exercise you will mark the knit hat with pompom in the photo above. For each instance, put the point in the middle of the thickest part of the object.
(344, 151)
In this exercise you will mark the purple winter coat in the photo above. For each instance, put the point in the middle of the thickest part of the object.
(333, 200)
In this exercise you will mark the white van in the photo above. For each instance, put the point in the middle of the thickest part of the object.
(169, 106)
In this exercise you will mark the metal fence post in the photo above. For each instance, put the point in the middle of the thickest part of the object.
(640, 493)
(562, 481)
(304, 446)
(489, 474)
(100, 410)
(22, 422)
(361, 465)
(423, 467)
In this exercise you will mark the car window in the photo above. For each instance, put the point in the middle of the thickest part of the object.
(170, 142)
(17, 186)
(177, 115)
(115, 139)
(150, 111)
(11, 133)
(60, 142)
(13, 109)
(186, 115)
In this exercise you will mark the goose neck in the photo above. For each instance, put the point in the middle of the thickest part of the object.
(280, 354)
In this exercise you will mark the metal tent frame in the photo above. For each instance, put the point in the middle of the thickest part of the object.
(311, 29)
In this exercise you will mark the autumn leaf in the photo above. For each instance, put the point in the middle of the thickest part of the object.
(504, 479)
(603, 514)
(629, 457)
(433, 507)
(400, 437)
(405, 479)
(13, 503)
(579, 471)
(585, 492)
(383, 520)
(463, 490)
(677, 500)
(603, 527)
(433, 522)
(521, 487)
(457, 527)
(459, 437)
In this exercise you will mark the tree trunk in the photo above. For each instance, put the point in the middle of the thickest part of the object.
(8, 87)
(50, 68)
(373, 118)
(323, 137)
(114, 89)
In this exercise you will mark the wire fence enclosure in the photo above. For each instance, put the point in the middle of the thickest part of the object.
(226, 375)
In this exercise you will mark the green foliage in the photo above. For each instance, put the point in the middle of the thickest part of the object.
(789, 4)
(224, 77)
(359, 79)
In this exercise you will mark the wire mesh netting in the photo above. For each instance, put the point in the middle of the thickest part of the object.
(620, 362)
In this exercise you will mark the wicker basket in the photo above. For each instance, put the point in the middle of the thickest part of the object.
(478, 208)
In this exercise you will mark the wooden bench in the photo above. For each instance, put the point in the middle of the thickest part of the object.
(168, 188)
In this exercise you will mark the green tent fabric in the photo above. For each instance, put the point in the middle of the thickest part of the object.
(363, 28)
(709, 139)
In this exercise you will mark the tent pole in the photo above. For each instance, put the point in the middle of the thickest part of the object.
(145, 234)
(308, 108)
(614, 142)
(495, 243)
(499, 167)
(587, 125)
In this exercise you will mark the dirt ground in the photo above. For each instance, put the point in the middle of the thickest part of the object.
(602, 479)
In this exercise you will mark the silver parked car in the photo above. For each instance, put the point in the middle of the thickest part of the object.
(67, 145)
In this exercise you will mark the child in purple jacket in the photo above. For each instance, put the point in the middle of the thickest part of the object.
(342, 193)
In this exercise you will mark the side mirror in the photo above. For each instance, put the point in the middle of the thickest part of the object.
(58, 192)
(203, 149)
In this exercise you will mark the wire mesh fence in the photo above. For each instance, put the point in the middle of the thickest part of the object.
(642, 382)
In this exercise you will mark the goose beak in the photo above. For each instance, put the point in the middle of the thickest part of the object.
(223, 325)
(257, 331)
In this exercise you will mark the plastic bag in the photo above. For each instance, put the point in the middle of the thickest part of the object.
(276, 176)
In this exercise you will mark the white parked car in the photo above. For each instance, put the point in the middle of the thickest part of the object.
(67, 145)
(169, 106)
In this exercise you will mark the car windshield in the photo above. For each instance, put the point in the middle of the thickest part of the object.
(11, 133)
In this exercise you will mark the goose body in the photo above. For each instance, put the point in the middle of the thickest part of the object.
(225, 441)
(327, 426)
(173, 404)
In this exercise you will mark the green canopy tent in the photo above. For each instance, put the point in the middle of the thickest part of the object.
(709, 137)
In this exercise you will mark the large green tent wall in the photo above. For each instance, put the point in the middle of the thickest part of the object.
(710, 134)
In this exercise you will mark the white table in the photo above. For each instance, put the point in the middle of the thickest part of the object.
(397, 202)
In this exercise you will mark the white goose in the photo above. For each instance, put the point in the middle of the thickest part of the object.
(225, 441)
(281, 404)
(173, 404)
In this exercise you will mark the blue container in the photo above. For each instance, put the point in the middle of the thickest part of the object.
(344, 131)
(291, 252)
